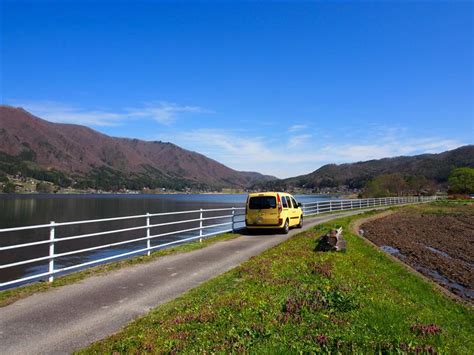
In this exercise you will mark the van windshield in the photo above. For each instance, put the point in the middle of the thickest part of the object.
(262, 202)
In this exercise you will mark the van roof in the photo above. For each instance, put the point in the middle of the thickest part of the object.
(267, 193)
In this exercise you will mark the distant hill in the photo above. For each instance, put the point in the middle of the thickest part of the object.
(435, 167)
(66, 153)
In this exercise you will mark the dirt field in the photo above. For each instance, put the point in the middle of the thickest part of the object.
(438, 241)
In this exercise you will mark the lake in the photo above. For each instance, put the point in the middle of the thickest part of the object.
(24, 210)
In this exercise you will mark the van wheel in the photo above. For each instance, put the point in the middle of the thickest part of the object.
(300, 225)
(286, 227)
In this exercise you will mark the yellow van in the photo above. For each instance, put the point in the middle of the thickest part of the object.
(273, 210)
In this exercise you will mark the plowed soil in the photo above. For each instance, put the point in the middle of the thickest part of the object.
(439, 243)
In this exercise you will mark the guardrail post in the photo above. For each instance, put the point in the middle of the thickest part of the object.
(342, 207)
(330, 206)
(200, 226)
(233, 218)
(317, 207)
(51, 251)
(148, 234)
(352, 205)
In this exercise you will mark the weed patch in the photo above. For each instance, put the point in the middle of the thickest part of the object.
(323, 269)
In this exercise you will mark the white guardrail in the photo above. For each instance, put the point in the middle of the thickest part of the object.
(227, 215)
(312, 208)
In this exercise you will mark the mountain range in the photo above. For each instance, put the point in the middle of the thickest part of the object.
(73, 152)
(434, 167)
(74, 155)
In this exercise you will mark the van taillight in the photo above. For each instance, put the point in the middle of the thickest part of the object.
(280, 207)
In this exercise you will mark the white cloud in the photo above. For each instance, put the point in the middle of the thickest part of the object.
(300, 155)
(57, 112)
(298, 140)
(227, 145)
(297, 127)
(162, 112)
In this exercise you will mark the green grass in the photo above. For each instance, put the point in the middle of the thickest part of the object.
(9, 296)
(291, 299)
(446, 207)
(363, 209)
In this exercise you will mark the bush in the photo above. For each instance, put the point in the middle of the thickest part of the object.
(44, 187)
(9, 188)
(461, 181)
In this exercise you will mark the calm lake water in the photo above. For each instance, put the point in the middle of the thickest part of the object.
(24, 210)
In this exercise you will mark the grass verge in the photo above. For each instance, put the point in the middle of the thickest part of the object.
(446, 207)
(9, 296)
(293, 299)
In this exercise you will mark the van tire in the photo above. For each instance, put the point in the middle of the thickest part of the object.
(286, 227)
(300, 225)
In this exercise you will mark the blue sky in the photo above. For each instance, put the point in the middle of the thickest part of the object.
(276, 87)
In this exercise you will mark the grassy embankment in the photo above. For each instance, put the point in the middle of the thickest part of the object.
(292, 299)
(9, 296)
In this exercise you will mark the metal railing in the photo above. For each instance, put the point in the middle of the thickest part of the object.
(197, 229)
(228, 215)
(314, 208)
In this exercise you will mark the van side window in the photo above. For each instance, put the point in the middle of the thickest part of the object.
(283, 201)
(289, 202)
(295, 204)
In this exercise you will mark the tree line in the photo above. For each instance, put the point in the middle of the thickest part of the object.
(460, 181)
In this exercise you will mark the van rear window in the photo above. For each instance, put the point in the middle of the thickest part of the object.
(262, 202)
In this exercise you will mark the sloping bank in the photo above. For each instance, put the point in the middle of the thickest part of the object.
(291, 298)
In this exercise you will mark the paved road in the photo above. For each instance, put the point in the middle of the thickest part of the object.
(71, 317)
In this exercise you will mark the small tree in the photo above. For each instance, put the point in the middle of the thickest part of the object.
(44, 187)
(419, 185)
(461, 181)
(9, 188)
(385, 185)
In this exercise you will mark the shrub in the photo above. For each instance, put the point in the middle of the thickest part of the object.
(44, 187)
(461, 181)
(9, 188)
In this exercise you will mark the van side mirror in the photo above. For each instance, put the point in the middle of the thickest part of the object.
(300, 204)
